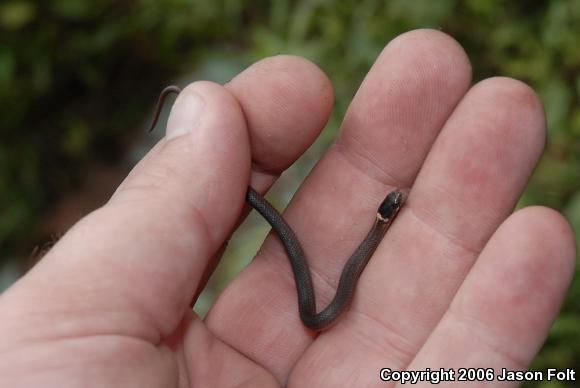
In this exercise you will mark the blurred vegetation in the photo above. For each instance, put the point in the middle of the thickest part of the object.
(78, 77)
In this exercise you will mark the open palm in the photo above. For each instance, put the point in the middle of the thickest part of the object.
(457, 282)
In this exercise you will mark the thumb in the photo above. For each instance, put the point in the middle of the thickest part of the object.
(133, 265)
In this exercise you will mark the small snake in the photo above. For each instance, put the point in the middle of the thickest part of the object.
(354, 266)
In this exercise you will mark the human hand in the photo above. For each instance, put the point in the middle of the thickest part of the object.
(458, 281)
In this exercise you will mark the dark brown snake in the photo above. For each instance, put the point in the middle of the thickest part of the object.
(354, 266)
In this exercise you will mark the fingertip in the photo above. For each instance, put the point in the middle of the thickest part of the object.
(531, 257)
(202, 163)
(516, 106)
(287, 101)
(206, 100)
(402, 104)
(547, 231)
(436, 52)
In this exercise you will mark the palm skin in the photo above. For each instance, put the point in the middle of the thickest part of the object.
(458, 281)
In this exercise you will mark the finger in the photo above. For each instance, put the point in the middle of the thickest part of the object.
(469, 183)
(130, 267)
(504, 309)
(424, 66)
(287, 101)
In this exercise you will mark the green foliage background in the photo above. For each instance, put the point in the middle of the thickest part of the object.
(78, 77)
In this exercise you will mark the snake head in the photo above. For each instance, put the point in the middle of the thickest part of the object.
(391, 205)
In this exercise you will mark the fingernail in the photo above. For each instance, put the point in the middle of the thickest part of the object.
(185, 115)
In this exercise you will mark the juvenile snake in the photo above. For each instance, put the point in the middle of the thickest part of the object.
(354, 266)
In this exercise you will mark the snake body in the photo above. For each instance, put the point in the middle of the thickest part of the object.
(353, 268)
